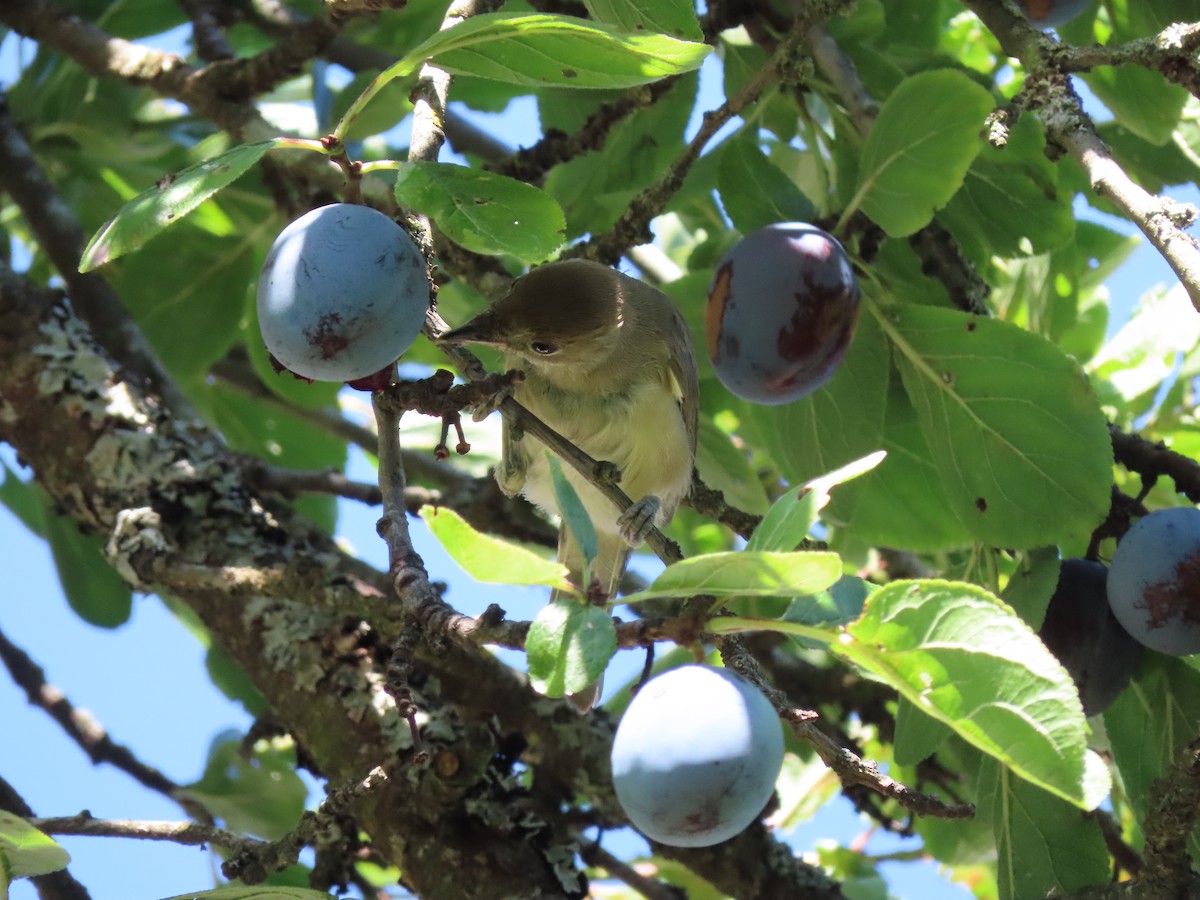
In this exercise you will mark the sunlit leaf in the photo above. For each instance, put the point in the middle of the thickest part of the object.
(489, 559)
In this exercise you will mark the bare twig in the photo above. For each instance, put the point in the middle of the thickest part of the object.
(1151, 460)
(595, 855)
(79, 724)
(850, 768)
(186, 833)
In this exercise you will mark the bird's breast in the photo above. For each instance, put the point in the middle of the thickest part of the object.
(639, 428)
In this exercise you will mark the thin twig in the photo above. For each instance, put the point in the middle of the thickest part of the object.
(79, 724)
(633, 225)
(595, 855)
(849, 767)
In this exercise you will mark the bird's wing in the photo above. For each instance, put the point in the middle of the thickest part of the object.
(683, 370)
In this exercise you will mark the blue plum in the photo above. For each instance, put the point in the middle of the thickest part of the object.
(1082, 632)
(782, 308)
(342, 293)
(1052, 13)
(696, 756)
(1154, 581)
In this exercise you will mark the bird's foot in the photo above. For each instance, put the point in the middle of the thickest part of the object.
(636, 523)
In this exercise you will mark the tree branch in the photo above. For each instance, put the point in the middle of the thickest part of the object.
(1048, 90)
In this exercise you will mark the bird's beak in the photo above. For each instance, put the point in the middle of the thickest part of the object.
(483, 329)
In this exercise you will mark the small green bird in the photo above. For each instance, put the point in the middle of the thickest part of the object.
(609, 365)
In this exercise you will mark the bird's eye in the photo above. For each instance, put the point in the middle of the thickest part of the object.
(544, 348)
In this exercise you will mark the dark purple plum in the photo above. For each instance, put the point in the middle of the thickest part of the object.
(342, 294)
(1052, 13)
(1082, 632)
(1154, 581)
(782, 308)
(696, 756)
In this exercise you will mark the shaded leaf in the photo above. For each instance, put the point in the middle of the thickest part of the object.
(574, 515)
(261, 795)
(1015, 431)
(482, 211)
(92, 587)
(1149, 725)
(754, 191)
(569, 646)
(1044, 847)
(903, 503)
(841, 422)
(726, 467)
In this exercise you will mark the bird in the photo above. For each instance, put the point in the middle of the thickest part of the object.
(608, 363)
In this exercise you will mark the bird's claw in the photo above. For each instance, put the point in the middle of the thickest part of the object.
(636, 523)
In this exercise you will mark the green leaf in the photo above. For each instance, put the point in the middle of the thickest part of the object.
(166, 203)
(790, 517)
(1010, 203)
(254, 892)
(574, 515)
(193, 322)
(230, 678)
(1140, 99)
(1030, 588)
(482, 211)
(726, 467)
(918, 736)
(1017, 435)
(754, 191)
(674, 17)
(1150, 724)
(961, 656)
(903, 503)
(546, 50)
(94, 590)
(541, 51)
(569, 646)
(277, 435)
(841, 422)
(745, 574)
(841, 604)
(25, 851)
(804, 786)
(490, 559)
(1044, 847)
(261, 795)
(23, 499)
(917, 152)
(1142, 355)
